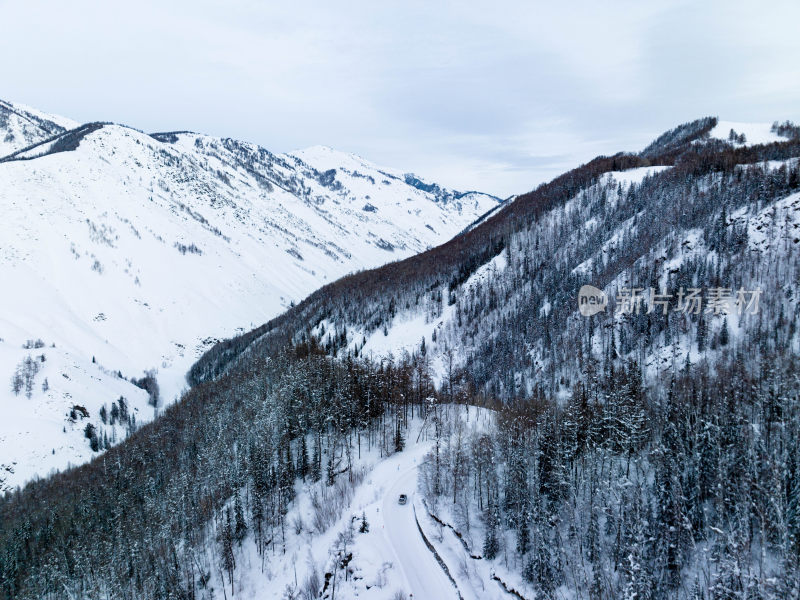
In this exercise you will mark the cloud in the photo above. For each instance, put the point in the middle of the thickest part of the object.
(497, 97)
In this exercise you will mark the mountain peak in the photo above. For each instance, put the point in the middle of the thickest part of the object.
(707, 129)
(22, 126)
(129, 251)
(745, 133)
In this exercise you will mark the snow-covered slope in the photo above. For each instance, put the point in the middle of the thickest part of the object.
(131, 252)
(387, 555)
(614, 229)
(21, 126)
(412, 326)
(361, 177)
(754, 133)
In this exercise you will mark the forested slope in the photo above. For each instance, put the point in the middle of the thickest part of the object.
(636, 454)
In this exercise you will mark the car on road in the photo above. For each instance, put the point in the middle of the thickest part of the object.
(402, 499)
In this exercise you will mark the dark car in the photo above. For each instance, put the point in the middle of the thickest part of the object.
(403, 499)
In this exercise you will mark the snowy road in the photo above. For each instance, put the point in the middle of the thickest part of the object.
(425, 578)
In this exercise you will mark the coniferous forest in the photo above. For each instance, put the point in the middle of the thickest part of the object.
(632, 454)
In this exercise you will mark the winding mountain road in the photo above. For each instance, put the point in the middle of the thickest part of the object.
(425, 578)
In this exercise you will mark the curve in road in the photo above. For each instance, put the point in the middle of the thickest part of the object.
(425, 578)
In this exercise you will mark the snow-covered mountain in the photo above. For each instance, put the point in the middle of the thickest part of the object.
(124, 252)
(630, 453)
(22, 126)
(615, 225)
(745, 133)
(670, 421)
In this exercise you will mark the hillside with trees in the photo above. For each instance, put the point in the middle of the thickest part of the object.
(648, 451)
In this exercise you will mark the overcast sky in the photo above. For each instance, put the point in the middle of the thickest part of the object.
(495, 96)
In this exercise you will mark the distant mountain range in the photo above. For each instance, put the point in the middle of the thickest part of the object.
(499, 302)
(455, 423)
(125, 252)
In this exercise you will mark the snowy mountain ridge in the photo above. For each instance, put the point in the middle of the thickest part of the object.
(612, 232)
(128, 252)
(22, 126)
(624, 455)
(673, 427)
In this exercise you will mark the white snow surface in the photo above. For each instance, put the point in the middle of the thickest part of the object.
(755, 133)
(634, 176)
(139, 254)
(423, 575)
(409, 327)
(391, 557)
(21, 126)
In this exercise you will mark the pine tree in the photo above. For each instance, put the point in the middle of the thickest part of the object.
(673, 539)
(723, 334)
(226, 547)
(303, 469)
(330, 473)
(240, 523)
(491, 542)
(316, 463)
(523, 537)
(593, 534)
(287, 474)
(539, 568)
(636, 567)
(399, 440)
(701, 334)
(17, 382)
